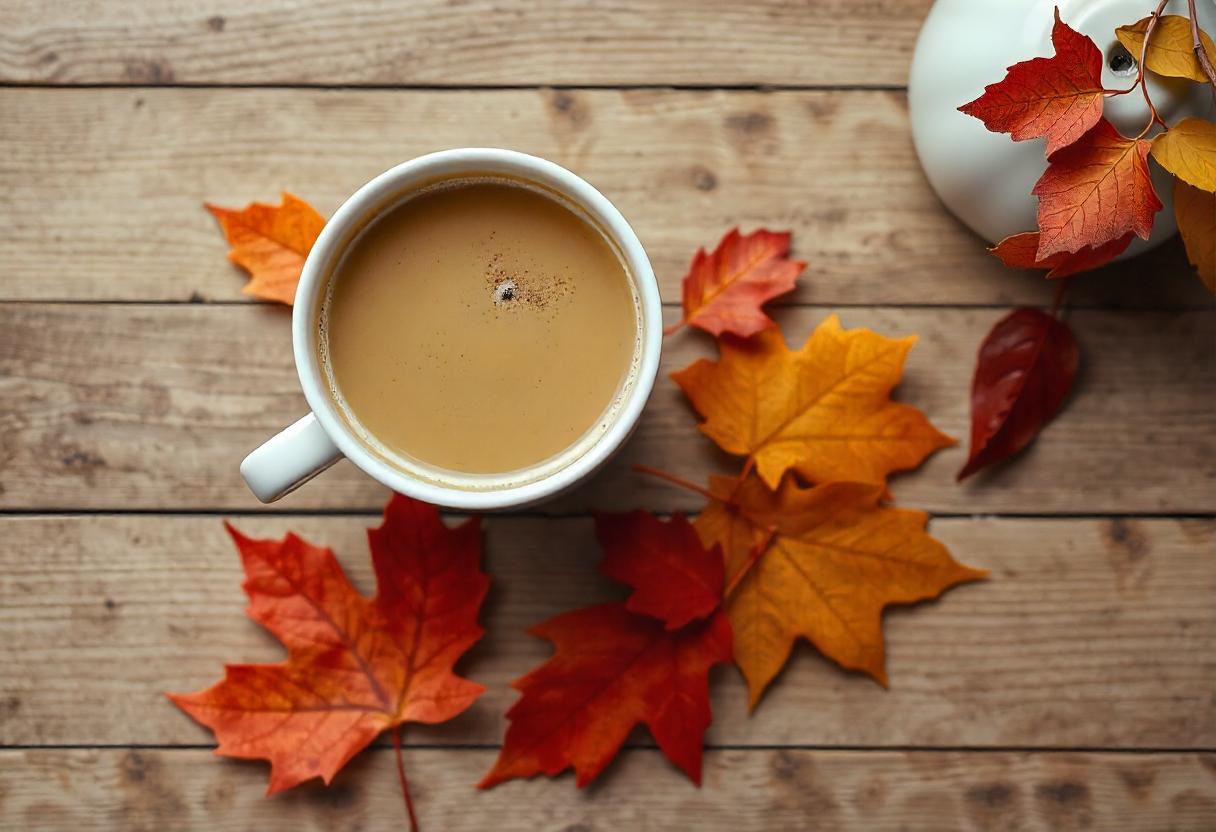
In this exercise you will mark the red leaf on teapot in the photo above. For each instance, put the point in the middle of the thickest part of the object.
(1019, 252)
(1058, 97)
(1094, 192)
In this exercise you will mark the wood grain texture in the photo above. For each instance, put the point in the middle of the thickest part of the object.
(747, 791)
(152, 407)
(460, 42)
(104, 188)
(1090, 633)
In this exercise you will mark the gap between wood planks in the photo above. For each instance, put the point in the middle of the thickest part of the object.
(382, 744)
(199, 85)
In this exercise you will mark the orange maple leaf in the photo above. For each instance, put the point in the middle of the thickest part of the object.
(1195, 211)
(1095, 191)
(823, 411)
(356, 665)
(723, 291)
(271, 242)
(1058, 97)
(1020, 251)
(818, 563)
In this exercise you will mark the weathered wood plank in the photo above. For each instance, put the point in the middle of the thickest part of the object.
(1089, 634)
(743, 790)
(153, 407)
(103, 188)
(718, 43)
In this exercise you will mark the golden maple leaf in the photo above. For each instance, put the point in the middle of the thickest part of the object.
(819, 563)
(823, 411)
(271, 242)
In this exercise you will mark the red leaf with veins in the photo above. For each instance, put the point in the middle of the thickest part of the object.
(1019, 252)
(610, 670)
(355, 665)
(674, 578)
(1058, 97)
(1026, 366)
(1095, 191)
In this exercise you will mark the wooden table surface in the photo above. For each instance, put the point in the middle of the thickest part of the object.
(1075, 689)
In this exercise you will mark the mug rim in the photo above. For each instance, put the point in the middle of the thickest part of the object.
(377, 195)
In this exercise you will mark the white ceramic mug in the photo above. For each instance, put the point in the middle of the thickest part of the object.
(321, 438)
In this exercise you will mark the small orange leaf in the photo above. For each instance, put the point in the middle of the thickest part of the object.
(1095, 191)
(833, 559)
(823, 411)
(1195, 211)
(271, 242)
(1019, 252)
(723, 291)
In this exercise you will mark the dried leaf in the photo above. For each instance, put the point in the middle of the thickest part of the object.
(723, 291)
(1188, 150)
(1195, 211)
(271, 242)
(612, 669)
(1025, 369)
(674, 578)
(823, 411)
(1058, 97)
(1171, 51)
(1095, 191)
(356, 665)
(1019, 252)
(819, 563)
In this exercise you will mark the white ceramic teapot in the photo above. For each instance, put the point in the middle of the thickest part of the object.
(985, 178)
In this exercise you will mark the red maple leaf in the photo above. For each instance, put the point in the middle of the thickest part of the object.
(1025, 369)
(1019, 250)
(723, 291)
(1058, 97)
(675, 579)
(356, 666)
(613, 668)
(1095, 191)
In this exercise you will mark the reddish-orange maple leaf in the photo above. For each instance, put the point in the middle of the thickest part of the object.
(613, 668)
(271, 242)
(1019, 250)
(356, 665)
(723, 291)
(675, 579)
(1095, 191)
(1058, 97)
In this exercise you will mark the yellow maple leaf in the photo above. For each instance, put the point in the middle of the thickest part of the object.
(819, 563)
(823, 411)
(271, 242)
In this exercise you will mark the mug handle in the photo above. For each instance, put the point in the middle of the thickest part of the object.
(289, 459)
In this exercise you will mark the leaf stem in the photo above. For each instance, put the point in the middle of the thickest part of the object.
(753, 557)
(676, 327)
(1140, 79)
(1058, 302)
(1201, 54)
(405, 786)
(674, 480)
